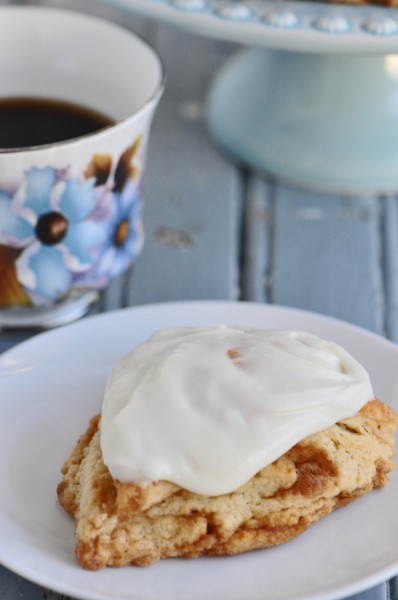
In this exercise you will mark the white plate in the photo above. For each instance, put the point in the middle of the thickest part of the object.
(51, 385)
(283, 24)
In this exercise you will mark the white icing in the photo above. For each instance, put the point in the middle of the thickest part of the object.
(208, 408)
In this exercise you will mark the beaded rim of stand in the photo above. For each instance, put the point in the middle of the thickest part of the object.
(306, 16)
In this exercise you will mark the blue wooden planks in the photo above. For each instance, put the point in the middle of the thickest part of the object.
(12, 587)
(193, 197)
(257, 240)
(318, 252)
(390, 262)
(392, 593)
(326, 256)
(376, 593)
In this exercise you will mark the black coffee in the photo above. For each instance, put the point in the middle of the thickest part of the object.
(34, 121)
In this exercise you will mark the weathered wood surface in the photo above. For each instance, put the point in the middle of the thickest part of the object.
(216, 231)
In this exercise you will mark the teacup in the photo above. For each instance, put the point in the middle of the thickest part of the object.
(71, 210)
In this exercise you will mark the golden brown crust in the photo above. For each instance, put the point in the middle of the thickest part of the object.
(119, 524)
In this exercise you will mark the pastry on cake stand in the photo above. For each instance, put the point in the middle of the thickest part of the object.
(314, 100)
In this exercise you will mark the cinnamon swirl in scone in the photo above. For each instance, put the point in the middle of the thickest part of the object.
(223, 440)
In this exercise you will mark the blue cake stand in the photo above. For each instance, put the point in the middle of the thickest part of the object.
(314, 100)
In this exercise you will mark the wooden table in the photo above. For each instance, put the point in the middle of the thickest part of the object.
(215, 230)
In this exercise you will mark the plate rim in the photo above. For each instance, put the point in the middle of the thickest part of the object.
(203, 303)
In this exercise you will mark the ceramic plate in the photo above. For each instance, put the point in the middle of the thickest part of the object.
(284, 24)
(50, 387)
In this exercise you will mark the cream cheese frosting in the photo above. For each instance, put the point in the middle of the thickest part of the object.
(207, 408)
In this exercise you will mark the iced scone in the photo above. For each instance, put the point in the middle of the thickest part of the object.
(221, 440)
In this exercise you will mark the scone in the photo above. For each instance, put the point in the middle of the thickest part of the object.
(128, 523)
(120, 524)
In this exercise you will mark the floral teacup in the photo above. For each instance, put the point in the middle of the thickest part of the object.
(71, 211)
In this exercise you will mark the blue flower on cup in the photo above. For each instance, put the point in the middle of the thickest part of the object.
(59, 232)
(47, 218)
(126, 234)
(124, 239)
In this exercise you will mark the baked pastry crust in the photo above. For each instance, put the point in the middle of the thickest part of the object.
(119, 524)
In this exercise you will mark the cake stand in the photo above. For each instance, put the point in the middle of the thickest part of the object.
(314, 101)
